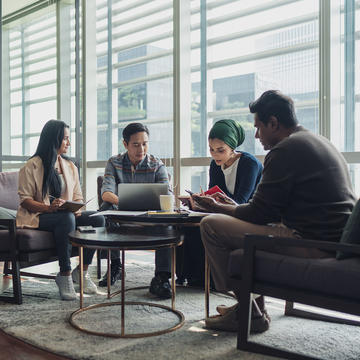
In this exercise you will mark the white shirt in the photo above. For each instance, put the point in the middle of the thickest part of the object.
(230, 175)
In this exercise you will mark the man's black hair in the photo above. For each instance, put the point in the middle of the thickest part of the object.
(132, 129)
(274, 103)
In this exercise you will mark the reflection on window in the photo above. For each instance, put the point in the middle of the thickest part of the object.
(253, 47)
(134, 74)
(31, 76)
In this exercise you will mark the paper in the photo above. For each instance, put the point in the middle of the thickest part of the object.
(119, 213)
(198, 213)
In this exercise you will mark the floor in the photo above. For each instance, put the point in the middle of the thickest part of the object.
(15, 349)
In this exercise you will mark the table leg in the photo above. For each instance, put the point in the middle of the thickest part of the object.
(173, 285)
(108, 282)
(207, 286)
(123, 293)
(81, 274)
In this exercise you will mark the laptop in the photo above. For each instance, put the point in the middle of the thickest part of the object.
(141, 196)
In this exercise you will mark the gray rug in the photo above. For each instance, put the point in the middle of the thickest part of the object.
(42, 320)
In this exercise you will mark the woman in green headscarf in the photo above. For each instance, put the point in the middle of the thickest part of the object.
(236, 173)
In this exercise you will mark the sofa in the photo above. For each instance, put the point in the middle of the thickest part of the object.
(327, 283)
(21, 248)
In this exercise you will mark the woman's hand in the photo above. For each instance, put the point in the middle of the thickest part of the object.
(77, 213)
(55, 204)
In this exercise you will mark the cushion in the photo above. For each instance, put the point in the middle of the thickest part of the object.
(326, 276)
(28, 240)
(7, 214)
(9, 190)
(351, 233)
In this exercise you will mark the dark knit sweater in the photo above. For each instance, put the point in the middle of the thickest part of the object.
(305, 185)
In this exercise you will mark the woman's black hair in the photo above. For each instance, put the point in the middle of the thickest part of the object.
(50, 141)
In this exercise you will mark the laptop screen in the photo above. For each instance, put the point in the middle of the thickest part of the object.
(141, 196)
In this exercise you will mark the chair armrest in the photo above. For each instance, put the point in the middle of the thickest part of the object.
(262, 242)
(7, 222)
(10, 224)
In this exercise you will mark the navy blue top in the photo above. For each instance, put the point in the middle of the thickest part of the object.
(248, 175)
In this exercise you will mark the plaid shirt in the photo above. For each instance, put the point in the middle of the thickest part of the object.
(120, 170)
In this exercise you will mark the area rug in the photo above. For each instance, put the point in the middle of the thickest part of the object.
(42, 320)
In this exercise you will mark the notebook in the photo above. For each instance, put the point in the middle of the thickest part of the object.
(141, 196)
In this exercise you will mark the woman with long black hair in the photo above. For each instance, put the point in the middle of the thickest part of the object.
(46, 181)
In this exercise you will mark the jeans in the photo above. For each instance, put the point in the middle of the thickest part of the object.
(61, 223)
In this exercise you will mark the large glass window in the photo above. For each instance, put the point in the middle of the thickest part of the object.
(134, 80)
(38, 71)
(242, 48)
(238, 49)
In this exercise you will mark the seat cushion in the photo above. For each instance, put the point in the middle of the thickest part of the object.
(29, 240)
(326, 276)
(351, 233)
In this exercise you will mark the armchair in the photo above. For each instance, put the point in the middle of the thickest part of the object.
(326, 283)
(21, 248)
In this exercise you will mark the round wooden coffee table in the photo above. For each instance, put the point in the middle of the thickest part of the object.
(126, 238)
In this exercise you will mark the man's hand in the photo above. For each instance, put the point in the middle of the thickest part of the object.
(223, 199)
(209, 204)
(203, 203)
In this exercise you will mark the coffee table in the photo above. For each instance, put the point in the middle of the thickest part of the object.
(129, 237)
(178, 222)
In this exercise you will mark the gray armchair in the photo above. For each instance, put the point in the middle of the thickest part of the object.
(21, 248)
(326, 283)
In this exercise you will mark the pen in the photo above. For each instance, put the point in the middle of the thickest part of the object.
(189, 192)
(201, 190)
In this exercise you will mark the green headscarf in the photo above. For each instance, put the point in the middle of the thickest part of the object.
(229, 131)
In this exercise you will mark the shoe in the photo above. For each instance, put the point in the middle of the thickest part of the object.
(66, 287)
(115, 275)
(226, 322)
(160, 287)
(222, 309)
(88, 285)
(229, 321)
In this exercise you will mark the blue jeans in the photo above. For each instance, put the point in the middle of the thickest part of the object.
(61, 223)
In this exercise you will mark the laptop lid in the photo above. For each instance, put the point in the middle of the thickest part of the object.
(141, 196)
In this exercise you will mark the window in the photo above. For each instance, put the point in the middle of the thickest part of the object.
(133, 74)
(37, 84)
(243, 48)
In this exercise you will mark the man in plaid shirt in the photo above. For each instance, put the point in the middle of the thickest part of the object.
(136, 166)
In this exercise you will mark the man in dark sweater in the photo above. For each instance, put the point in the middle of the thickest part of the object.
(305, 191)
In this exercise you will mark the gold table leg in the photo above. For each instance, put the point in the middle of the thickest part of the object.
(81, 274)
(207, 286)
(173, 285)
(122, 304)
(108, 282)
(123, 293)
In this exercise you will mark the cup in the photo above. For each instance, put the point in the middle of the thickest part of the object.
(167, 202)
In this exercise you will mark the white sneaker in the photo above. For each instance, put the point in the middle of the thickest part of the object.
(88, 284)
(66, 287)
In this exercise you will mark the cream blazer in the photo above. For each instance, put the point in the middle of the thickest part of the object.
(30, 187)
